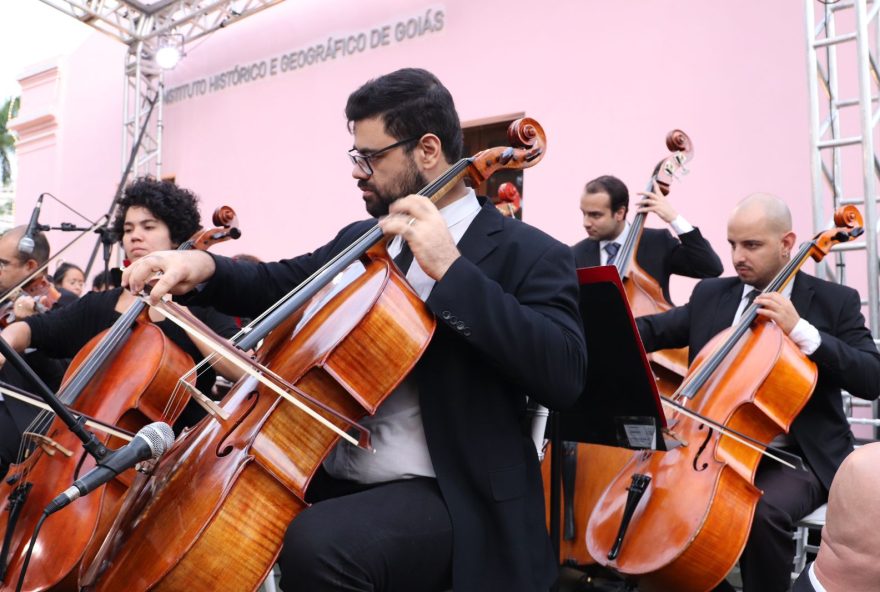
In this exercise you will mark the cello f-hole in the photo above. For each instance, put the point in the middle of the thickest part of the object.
(705, 443)
(254, 398)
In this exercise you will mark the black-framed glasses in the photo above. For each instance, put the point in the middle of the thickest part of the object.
(363, 160)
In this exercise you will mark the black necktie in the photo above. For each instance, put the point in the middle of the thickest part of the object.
(611, 249)
(750, 298)
(404, 257)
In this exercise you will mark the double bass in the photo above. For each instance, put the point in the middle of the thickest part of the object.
(679, 520)
(126, 376)
(214, 511)
(589, 468)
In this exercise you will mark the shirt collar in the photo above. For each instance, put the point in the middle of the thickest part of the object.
(621, 238)
(461, 209)
(786, 291)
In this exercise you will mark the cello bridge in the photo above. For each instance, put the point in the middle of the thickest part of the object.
(48, 445)
(672, 440)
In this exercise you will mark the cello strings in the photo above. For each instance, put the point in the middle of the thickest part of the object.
(724, 430)
(431, 190)
(252, 372)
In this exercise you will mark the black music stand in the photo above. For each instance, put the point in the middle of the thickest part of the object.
(620, 405)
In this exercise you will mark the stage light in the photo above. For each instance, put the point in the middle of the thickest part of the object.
(169, 51)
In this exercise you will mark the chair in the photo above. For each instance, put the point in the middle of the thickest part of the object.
(270, 584)
(811, 522)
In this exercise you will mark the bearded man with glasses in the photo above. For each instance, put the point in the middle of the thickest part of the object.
(451, 494)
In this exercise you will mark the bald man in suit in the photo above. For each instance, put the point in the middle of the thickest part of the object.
(825, 321)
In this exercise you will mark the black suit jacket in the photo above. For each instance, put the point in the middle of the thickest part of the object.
(803, 583)
(660, 254)
(508, 326)
(846, 359)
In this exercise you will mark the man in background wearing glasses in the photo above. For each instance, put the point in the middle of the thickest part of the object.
(16, 266)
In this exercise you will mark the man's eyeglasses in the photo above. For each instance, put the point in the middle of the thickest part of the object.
(363, 160)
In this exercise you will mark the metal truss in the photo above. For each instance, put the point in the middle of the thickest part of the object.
(131, 21)
(842, 50)
(140, 26)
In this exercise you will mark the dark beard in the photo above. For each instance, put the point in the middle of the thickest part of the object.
(410, 181)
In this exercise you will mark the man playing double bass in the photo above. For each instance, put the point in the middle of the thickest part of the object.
(452, 495)
(604, 205)
(825, 322)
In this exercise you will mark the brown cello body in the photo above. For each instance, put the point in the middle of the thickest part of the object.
(140, 393)
(696, 513)
(253, 467)
(597, 465)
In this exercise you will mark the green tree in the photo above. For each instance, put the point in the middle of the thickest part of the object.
(7, 140)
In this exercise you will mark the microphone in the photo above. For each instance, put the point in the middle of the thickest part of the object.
(26, 244)
(149, 443)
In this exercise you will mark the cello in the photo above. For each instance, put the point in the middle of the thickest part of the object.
(218, 504)
(125, 376)
(589, 468)
(679, 520)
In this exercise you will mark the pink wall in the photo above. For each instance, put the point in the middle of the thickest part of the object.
(70, 130)
(607, 81)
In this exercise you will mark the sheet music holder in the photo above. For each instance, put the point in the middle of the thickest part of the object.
(620, 405)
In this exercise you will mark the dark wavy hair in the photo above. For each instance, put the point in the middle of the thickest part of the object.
(177, 207)
(614, 187)
(411, 102)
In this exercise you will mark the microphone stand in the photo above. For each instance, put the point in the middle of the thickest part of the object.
(108, 239)
(91, 444)
(66, 226)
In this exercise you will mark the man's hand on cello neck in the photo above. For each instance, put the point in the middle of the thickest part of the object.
(174, 272)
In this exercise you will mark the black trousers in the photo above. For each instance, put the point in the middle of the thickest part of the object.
(395, 536)
(789, 495)
(10, 438)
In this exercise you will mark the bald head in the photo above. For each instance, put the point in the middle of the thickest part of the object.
(765, 209)
(848, 553)
(41, 244)
(17, 266)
